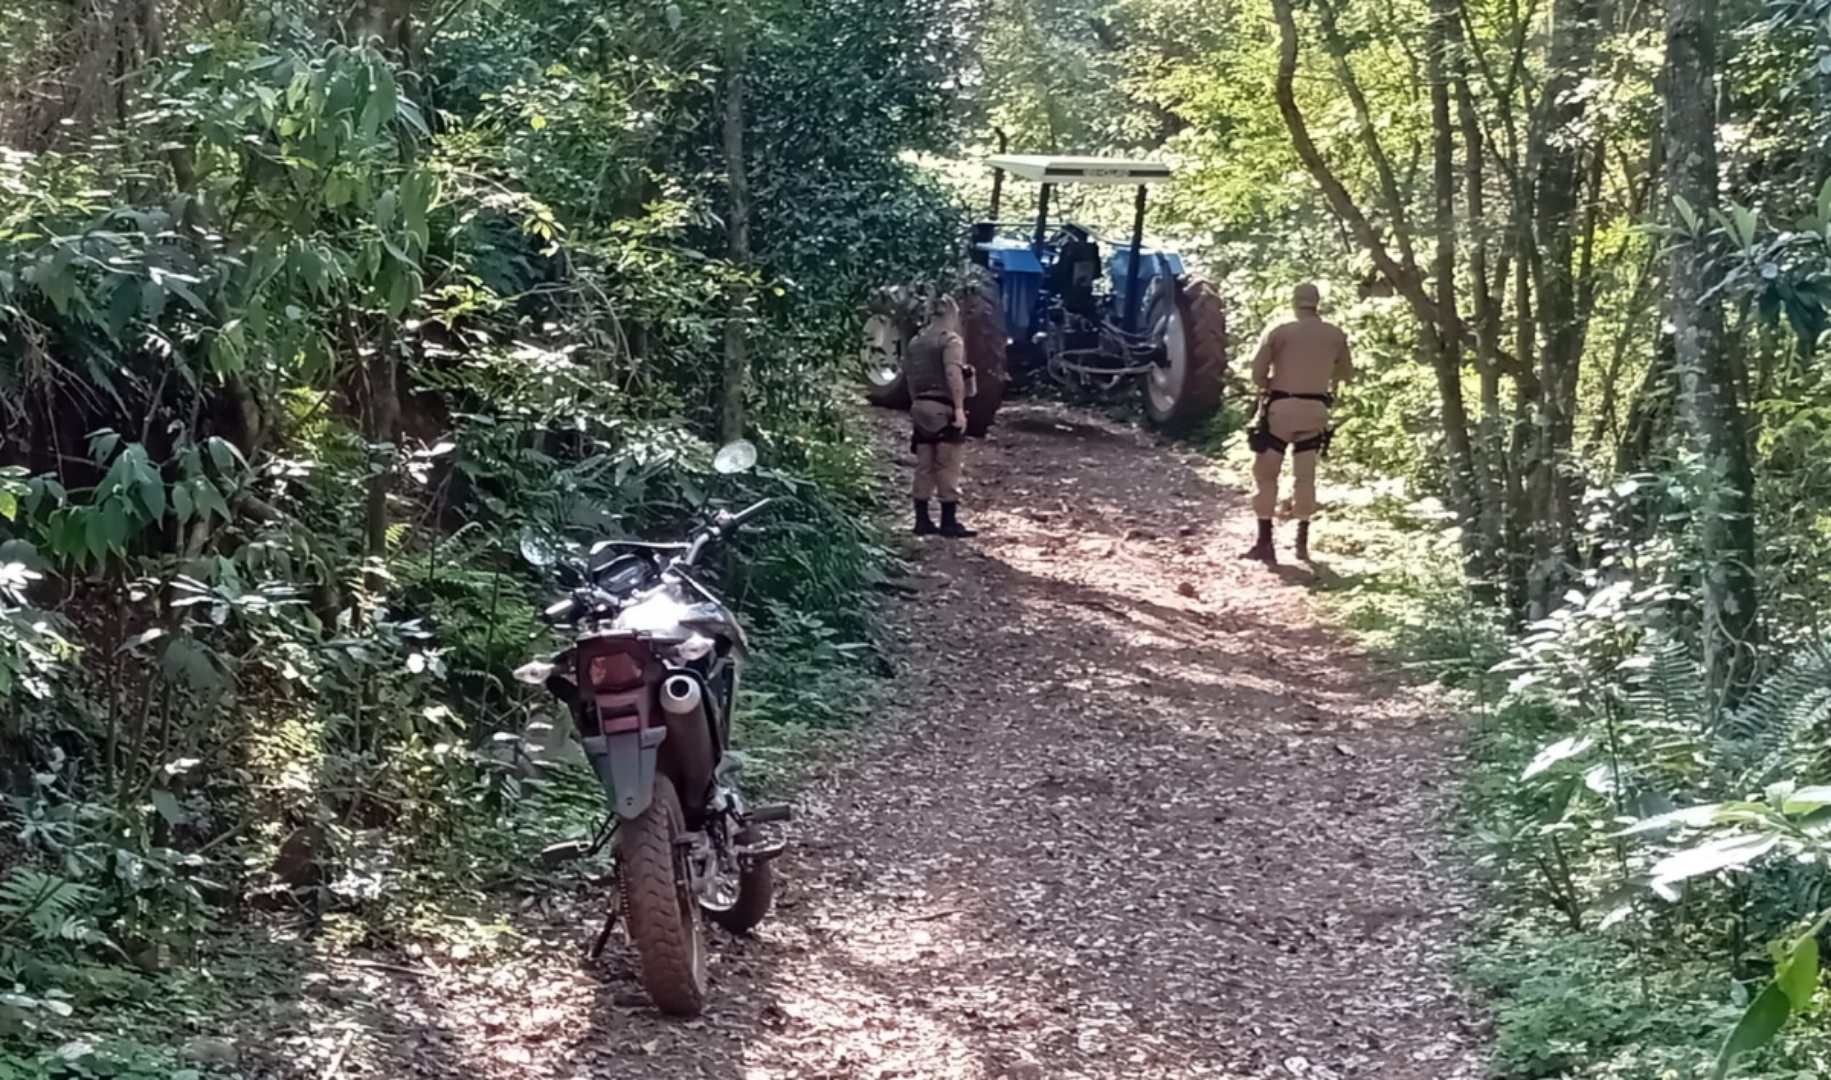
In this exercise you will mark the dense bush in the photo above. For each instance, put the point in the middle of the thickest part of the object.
(300, 333)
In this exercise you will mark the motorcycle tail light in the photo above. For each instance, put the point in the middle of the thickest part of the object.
(615, 671)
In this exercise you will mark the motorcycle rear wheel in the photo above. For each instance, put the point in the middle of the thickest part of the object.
(756, 890)
(659, 909)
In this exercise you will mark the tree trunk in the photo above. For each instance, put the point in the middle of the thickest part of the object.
(1607, 422)
(1446, 343)
(1708, 409)
(390, 21)
(1390, 195)
(1440, 326)
(382, 417)
(1556, 160)
(1491, 459)
(1525, 404)
(737, 339)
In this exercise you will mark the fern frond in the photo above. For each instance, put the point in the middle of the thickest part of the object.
(1779, 730)
(1669, 688)
(47, 904)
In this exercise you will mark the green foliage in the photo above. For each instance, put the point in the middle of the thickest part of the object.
(1567, 1005)
(1633, 882)
(805, 689)
(51, 910)
(297, 338)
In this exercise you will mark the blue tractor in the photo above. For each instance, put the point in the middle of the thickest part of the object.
(1053, 298)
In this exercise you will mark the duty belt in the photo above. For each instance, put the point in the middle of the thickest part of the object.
(1261, 440)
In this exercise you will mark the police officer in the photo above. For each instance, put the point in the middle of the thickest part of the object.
(939, 385)
(1299, 366)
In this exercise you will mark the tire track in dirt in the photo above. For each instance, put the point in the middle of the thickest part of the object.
(1138, 815)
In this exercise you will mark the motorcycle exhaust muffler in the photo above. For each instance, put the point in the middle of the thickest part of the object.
(681, 696)
(683, 702)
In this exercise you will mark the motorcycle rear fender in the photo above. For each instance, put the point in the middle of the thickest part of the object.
(619, 724)
(625, 763)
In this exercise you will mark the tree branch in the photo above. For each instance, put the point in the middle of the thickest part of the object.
(1369, 135)
(1409, 283)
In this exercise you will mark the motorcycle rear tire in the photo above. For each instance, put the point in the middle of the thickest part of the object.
(660, 911)
(756, 891)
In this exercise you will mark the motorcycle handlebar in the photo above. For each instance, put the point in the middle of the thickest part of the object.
(723, 526)
(591, 597)
(577, 603)
(746, 514)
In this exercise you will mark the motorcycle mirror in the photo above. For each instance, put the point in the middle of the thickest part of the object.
(539, 550)
(735, 457)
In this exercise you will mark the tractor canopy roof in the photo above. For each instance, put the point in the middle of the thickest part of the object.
(1080, 170)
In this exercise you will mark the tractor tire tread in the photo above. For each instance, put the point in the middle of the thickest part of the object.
(982, 326)
(892, 396)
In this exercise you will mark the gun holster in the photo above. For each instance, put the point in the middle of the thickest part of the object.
(1259, 437)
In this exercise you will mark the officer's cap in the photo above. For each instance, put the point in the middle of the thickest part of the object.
(1306, 297)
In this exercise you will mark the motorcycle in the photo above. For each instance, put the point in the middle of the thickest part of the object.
(651, 681)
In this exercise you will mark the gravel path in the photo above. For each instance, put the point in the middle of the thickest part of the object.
(1138, 816)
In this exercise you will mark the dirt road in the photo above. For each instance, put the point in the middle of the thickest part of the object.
(1139, 816)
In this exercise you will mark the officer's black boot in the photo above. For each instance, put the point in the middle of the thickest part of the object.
(950, 522)
(1303, 541)
(1263, 551)
(925, 525)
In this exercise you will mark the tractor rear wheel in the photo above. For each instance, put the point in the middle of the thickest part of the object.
(982, 326)
(882, 361)
(1186, 391)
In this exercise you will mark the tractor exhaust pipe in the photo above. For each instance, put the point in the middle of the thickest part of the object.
(998, 175)
(1132, 265)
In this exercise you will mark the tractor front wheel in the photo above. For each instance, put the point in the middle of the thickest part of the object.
(1185, 390)
(982, 326)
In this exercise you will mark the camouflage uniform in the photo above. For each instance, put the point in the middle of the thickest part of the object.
(935, 366)
(1298, 367)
